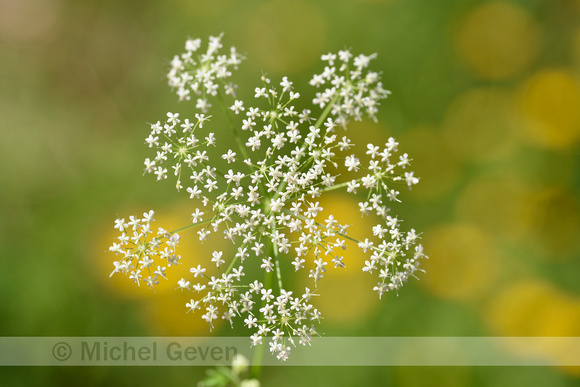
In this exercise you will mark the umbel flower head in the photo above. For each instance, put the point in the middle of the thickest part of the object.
(263, 195)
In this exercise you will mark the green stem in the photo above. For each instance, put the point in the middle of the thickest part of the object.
(257, 361)
(326, 111)
(277, 261)
(190, 226)
(336, 186)
(230, 267)
(237, 137)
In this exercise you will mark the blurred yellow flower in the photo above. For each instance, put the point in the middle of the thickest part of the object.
(549, 107)
(463, 262)
(497, 40)
(532, 307)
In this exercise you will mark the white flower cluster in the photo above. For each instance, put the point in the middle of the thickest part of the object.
(182, 149)
(141, 253)
(263, 195)
(350, 90)
(203, 74)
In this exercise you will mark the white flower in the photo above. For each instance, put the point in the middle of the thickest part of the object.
(410, 179)
(196, 217)
(352, 163)
(173, 118)
(217, 258)
(365, 245)
(261, 92)
(230, 156)
(197, 271)
(183, 284)
(237, 107)
(192, 305)
(262, 194)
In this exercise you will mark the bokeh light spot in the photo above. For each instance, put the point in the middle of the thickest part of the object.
(549, 107)
(285, 37)
(480, 125)
(497, 40)
(463, 263)
(501, 205)
(532, 307)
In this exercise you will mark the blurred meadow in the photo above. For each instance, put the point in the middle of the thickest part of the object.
(485, 99)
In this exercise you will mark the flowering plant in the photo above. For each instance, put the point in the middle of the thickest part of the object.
(263, 195)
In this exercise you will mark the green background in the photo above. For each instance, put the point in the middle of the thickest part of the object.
(486, 100)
